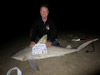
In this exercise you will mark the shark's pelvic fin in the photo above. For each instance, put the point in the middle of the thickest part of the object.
(33, 64)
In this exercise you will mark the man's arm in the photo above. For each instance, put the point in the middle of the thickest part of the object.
(32, 44)
(48, 44)
(53, 34)
(33, 34)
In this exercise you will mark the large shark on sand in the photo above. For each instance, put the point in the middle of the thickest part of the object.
(52, 51)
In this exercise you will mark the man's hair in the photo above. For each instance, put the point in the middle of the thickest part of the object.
(44, 5)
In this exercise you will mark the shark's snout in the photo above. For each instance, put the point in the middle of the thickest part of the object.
(18, 58)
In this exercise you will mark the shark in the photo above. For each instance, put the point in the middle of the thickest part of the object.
(52, 51)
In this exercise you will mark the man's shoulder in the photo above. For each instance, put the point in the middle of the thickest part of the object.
(51, 20)
(36, 20)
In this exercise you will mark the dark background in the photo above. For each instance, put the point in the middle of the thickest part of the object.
(17, 17)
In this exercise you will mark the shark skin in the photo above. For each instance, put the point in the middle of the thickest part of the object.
(52, 51)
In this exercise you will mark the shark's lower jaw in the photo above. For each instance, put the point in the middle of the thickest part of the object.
(19, 58)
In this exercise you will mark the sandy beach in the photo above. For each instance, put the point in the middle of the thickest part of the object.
(77, 63)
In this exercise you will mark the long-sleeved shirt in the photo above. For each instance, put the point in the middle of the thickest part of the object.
(40, 28)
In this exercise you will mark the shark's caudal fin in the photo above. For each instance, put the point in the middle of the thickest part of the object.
(43, 40)
(85, 44)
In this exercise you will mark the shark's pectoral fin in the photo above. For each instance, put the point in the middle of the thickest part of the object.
(33, 64)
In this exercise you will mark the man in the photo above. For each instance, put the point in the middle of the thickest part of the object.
(44, 25)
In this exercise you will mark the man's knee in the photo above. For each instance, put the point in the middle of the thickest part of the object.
(56, 43)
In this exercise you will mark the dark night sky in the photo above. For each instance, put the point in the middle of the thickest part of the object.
(17, 17)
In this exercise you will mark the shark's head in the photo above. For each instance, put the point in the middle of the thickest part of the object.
(24, 54)
(43, 40)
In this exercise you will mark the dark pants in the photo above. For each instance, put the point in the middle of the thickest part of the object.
(54, 43)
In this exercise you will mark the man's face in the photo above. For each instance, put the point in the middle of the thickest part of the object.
(44, 12)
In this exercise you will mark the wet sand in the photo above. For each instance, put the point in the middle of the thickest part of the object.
(78, 63)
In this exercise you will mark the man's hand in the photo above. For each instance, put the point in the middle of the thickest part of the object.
(48, 44)
(32, 44)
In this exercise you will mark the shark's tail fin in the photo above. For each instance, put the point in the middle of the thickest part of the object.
(85, 44)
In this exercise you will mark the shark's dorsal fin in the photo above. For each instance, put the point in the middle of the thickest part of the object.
(43, 40)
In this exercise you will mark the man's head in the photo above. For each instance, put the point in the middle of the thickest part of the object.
(44, 11)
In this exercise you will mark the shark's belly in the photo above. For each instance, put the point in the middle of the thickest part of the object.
(53, 51)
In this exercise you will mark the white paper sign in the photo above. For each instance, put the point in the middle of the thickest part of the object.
(39, 49)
